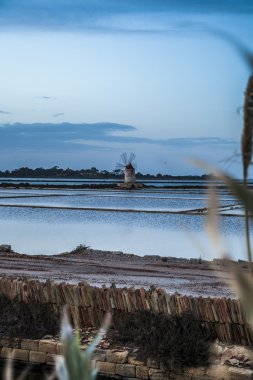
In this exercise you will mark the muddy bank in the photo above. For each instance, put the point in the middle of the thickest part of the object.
(189, 277)
(27, 185)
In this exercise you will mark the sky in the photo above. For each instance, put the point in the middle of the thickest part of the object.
(84, 80)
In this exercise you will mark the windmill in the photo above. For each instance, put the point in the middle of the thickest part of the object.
(128, 165)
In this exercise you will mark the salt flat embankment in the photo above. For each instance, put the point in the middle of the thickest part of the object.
(190, 277)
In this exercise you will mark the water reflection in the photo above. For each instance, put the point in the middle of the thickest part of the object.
(48, 231)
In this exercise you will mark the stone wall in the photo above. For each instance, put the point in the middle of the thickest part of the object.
(88, 305)
(123, 363)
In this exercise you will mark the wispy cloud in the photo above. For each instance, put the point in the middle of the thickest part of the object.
(58, 114)
(85, 145)
(5, 112)
(45, 97)
(76, 136)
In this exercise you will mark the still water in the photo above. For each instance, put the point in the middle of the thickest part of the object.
(116, 220)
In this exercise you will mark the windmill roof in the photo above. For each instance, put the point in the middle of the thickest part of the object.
(129, 166)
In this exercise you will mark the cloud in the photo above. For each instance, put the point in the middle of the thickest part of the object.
(57, 114)
(100, 145)
(5, 112)
(70, 136)
(60, 135)
(45, 97)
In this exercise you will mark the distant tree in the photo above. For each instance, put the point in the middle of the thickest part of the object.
(94, 170)
(117, 171)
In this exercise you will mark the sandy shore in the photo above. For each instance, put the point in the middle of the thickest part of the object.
(103, 267)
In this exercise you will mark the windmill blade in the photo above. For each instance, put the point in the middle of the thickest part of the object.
(124, 158)
(120, 166)
(131, 158)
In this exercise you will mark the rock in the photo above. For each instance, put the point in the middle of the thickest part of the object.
(99, 356)
(135, 361)
(18, 354)
(37, 357)
(29, 344)
(119, 357)
(240, 357)
(48, 346)
(48, 336)
(156, 374)
(240, 374)
(142, 372)
(125, 370)
(6, 353)
(107, 368)
(233, 362)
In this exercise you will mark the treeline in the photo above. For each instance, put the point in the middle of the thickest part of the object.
(56, 172)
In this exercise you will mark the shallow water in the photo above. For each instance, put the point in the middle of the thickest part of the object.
(48, 231)
(113, 202)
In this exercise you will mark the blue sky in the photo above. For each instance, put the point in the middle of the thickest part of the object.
(84, 80)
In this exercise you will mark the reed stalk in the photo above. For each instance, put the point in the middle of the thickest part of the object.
(247, 147)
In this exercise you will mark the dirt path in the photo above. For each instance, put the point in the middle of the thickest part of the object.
(103, 267)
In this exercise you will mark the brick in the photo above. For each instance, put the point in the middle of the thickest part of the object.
(157, 374)
(18, 354)
(153, 363)
(240, 374)
(119, 357)
(29, 344)
(142, 372)
(133, 360)
(37, 357)
(126, 370)
(6, 352)
(104, 367)
(99, 356)
(48, 346)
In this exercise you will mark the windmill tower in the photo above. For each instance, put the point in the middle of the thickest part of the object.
(128, 165)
